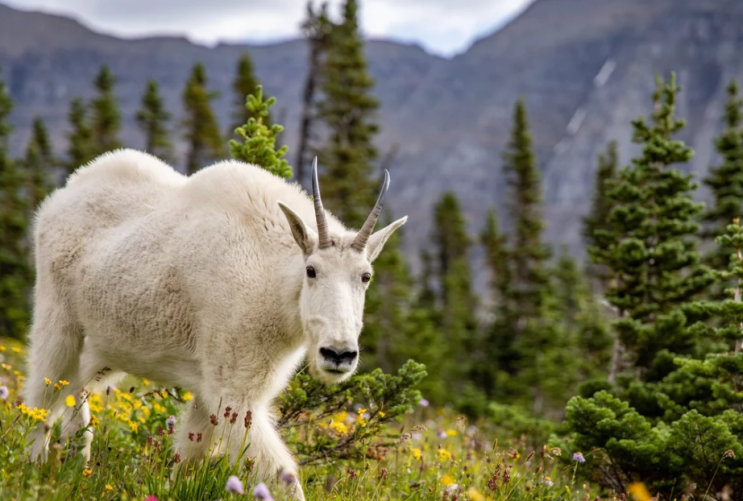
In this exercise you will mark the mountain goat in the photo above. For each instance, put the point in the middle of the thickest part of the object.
(219, 283)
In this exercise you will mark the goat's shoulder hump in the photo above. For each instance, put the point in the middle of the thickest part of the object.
(127, 166)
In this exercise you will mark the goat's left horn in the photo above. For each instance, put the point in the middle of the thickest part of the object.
(322, 222)
(359, 243)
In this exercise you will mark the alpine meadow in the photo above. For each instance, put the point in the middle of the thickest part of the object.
(240, 309)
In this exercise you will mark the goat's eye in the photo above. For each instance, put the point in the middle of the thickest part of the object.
(366, 277)
(311, 272)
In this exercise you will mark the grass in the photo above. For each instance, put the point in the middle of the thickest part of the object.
(432, 455)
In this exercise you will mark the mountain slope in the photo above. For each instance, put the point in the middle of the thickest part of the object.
(584, 67)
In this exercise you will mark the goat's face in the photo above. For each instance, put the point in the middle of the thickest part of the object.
(337, 271)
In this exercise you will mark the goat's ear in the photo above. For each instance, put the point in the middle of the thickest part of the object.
(376, 241)
(303, 235)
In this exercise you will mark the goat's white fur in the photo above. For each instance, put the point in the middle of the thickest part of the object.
(197, 282)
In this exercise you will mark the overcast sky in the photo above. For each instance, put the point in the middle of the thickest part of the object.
(444, 27)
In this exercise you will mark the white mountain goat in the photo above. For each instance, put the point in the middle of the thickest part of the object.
(219, 283)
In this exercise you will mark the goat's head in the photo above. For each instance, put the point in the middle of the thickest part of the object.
(336, 275)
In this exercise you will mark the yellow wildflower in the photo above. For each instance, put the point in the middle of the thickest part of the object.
(16, 349)
(70, 401)
(416, 453)
(340, 417)
(474, 495)
(187, 396)
(381, 414)
(639, 491)
(6, 367)
(47, 381)
(57, 387)
(339, 427)
(87, 472)
(94, 421)
(17, 373)
(35, 413)
(109, 487)
(447, 480)
(146, 382)
(444, 455)
(3, 348)
(451, 433)
(63, 383)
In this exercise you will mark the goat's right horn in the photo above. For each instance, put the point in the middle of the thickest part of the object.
(359, 243)
(322, 222)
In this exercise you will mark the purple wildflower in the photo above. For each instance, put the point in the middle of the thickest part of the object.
(262, 492)
(4, 392)
(441, 434)
(170, 421)
(288, 478)
(423, 403)
(234, 485)
(577, 456)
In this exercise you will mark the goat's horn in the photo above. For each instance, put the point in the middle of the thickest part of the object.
(322, 222)
(359, 243)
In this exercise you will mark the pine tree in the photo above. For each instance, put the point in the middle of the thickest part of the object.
(15, 271)
(582, 320)
(245, 84)
(202, 130)
(259, 139)
(652, 258)
(457, 303)
(525, 336)
(696, 435)
(396, 329)
(153, 119)
(316, 29)
(106, 119)
(726, 180)
(497, 258)
(595, 223)
(346, 112)
(81, 149)
(39, 164)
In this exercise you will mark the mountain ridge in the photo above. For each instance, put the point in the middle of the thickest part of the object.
(448, 119)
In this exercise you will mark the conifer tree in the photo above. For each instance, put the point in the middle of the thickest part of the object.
(652, 257)
(695, 435)
(202, 131)
(595, 223)
(726, 180)
(259, 138)
(81, 149)
(245, 84)
(396, 329)
(457, 303)
(347, 111)
(525, 335)
(153, 119)
(583, 322)
(105, 119)
(529, 253)
(316, 30)
(39, 164)
(497, 257)
(15, 271)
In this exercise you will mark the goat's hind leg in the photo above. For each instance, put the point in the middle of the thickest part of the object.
(54, 356)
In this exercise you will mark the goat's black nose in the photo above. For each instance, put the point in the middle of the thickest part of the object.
(338, 357)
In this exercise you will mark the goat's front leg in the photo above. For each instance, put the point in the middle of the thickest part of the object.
(274, 463)
(199, 437)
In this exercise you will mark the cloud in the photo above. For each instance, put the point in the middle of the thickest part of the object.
(444, 27)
